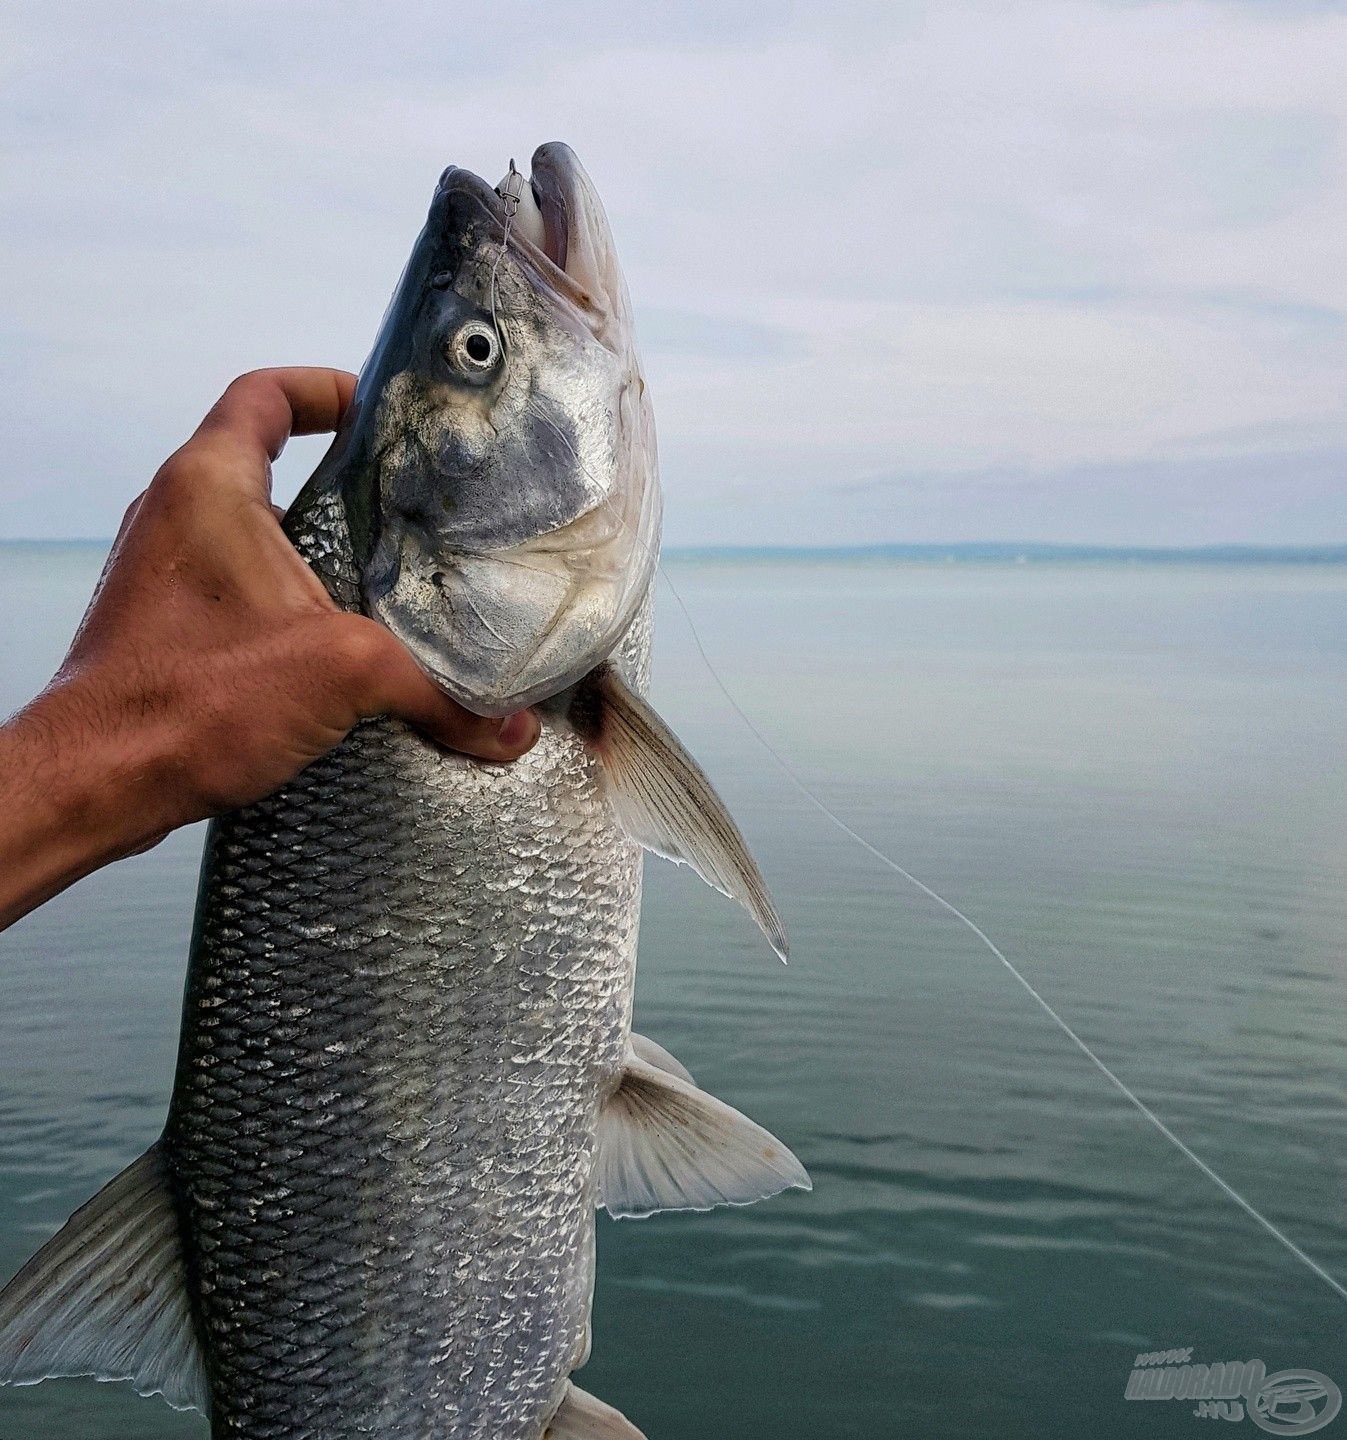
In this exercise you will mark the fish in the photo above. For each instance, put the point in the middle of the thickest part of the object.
(407, 1078)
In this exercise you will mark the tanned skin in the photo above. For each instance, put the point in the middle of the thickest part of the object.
(211, 666)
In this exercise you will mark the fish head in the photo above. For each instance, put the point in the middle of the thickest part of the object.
(500, 476)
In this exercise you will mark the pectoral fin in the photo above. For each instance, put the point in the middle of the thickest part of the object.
(581, 1417)
(662, 798)
(666, 1145)
(107, 1296)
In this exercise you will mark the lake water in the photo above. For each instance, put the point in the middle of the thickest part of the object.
(1133, 776)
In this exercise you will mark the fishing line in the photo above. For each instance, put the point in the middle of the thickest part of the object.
(1118, 1084)
(873, 850)
(511, 191)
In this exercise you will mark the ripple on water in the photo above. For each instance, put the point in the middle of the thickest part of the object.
(1159, 838)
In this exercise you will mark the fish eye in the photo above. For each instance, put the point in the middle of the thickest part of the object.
(474, 350)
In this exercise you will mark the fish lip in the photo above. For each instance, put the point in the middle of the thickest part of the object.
(456, 181)
(554, 178)
(554, 197)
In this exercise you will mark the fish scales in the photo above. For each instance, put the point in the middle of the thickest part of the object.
(408, 996)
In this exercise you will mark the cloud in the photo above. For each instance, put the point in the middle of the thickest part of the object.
(962, 241)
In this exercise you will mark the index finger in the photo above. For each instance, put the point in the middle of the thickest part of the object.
(261, 410)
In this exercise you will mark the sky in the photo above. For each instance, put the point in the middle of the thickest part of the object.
(1058, 270)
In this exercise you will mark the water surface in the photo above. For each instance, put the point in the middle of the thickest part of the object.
(1132, 775)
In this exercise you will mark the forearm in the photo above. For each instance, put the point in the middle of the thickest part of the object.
(74, 794)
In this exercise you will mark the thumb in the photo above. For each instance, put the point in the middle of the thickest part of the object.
(386, 680)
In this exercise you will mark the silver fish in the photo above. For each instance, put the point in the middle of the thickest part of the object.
(407, 1076)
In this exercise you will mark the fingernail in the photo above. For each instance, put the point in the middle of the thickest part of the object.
(518, 730)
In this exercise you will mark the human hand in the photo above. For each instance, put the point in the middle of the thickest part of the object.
(211, 666)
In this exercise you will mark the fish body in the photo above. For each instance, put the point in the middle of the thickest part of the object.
(409, 998)
(407, 1077)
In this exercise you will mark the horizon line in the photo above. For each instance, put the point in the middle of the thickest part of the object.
(1015, 550)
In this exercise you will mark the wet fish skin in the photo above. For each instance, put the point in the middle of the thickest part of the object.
(409, 996)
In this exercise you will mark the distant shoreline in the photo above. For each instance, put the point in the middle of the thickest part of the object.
(996, 552)
(1010, 553)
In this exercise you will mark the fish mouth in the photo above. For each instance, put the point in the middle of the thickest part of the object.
(553, 222)
(537, 209)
